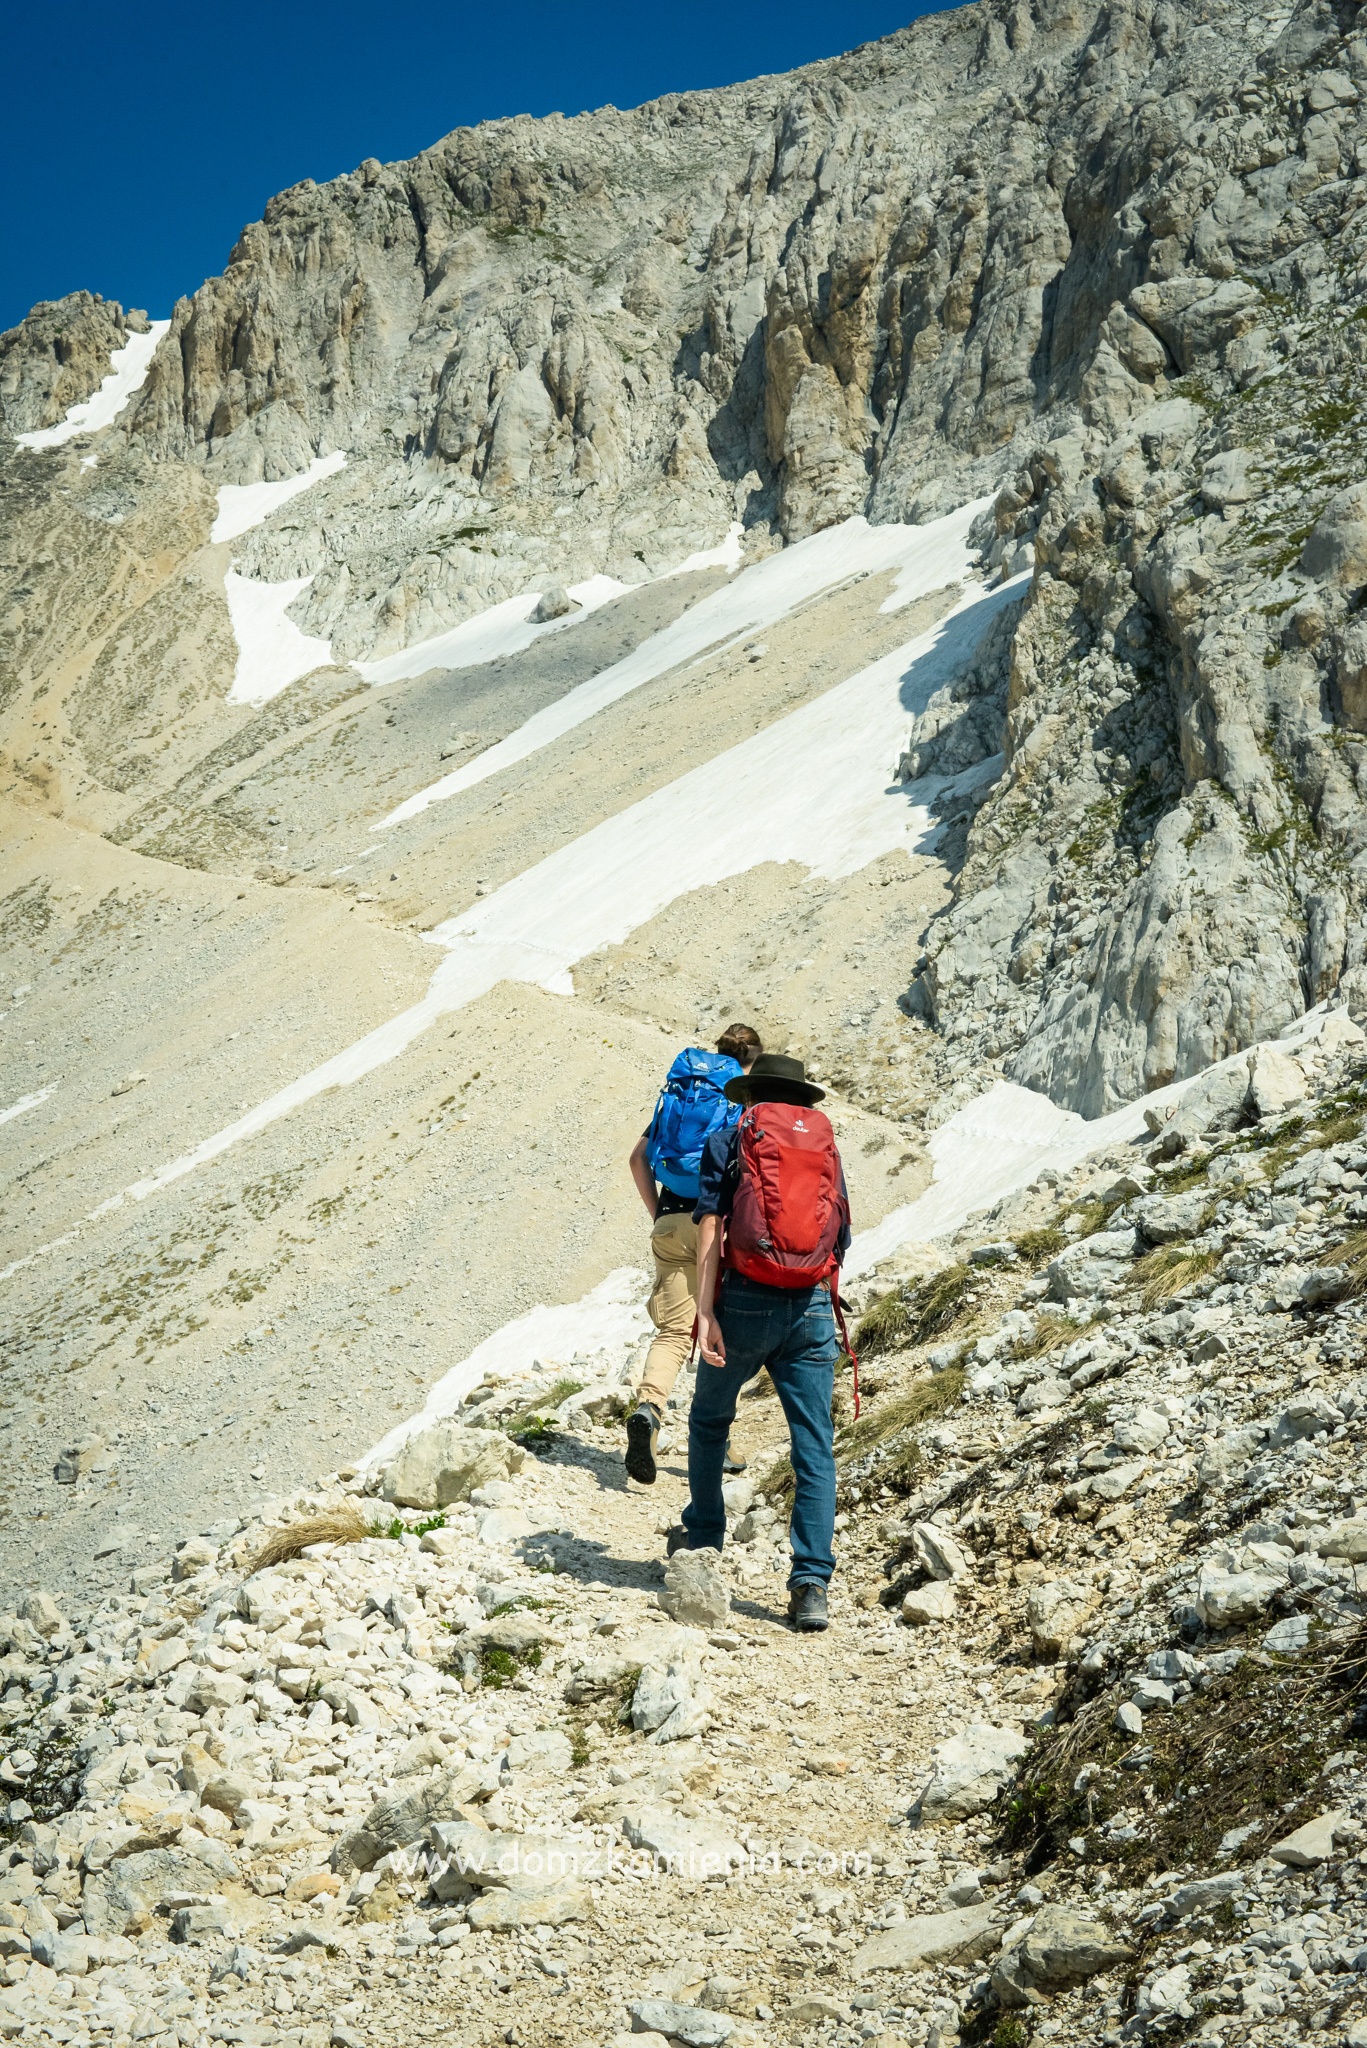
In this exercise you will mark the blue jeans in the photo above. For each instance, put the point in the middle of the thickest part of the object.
(792, 1331)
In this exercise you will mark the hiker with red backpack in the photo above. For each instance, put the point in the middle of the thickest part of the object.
(665, 1164)
(773, 1219)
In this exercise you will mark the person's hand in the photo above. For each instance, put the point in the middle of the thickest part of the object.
(710, 1340)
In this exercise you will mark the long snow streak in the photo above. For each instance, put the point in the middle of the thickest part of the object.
(243, 506)
(128, 367)
(927, 558)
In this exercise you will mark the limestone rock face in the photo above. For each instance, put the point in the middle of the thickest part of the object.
(58, 356)
(1091, 271)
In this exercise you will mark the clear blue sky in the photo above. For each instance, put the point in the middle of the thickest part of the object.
(139, 139)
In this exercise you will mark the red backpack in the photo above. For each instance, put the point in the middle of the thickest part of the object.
(789, 1204)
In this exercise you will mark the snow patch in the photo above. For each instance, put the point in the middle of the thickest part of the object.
(272, 653)
(128, 367)
(927, 558)
(816, 788)
(727, 556)
(243, 506)
(25, 1102)
(602, 1331)
(503, 629)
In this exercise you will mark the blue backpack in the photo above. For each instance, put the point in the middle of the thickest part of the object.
(690, 1108)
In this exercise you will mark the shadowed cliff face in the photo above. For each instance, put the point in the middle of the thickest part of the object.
(1101, 265)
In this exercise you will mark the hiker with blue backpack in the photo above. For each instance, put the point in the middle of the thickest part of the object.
(665, 1166)
(773, 1220)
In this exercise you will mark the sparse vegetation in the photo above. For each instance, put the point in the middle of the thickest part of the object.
(915, 1314)
(337, 1525)
(1166, 1271)
(1223, 1758)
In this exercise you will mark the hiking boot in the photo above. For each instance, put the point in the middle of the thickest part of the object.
(807, 1608)
(643, 1434)
(678, 1539)
(732, 1462)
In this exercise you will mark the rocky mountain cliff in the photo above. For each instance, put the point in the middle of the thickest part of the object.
(1104, 263)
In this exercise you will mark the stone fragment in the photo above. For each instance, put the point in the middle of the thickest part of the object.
(546, 1751)
(1142, 1431)
(938, 1553)
(1311, 1844)
(960, 1936)
(1225, 1598)
(1116, 1480)
(1227, 479)
(1128, 1718)
(67, 1954)
(694, 1593)
(1049, 1391)
(671, 1702)
(970, 1769)
(446, 1463)
(1057, 1611)
(1163, 1218)
(1059, 1948)
(1344, 1539)
(1224, 1462)
(124, 1897)
(1091, 1264)
(695, 1848)
(923, 1606)
(41, 1611)
(694, 2025)
(1203, 1894)
(500, 1908)
(1305, 1415)
(403, 1817)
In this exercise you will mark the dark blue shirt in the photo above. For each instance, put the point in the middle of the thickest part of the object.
(719, 1177)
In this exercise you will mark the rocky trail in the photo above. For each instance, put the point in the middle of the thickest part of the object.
(442, 1745)
(878, 553)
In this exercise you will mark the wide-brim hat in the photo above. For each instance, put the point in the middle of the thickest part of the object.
(775, 1067)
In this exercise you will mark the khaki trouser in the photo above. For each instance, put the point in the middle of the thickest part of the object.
(673, 1305)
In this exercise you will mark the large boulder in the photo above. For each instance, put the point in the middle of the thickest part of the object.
(1276, 1082)
(404, 1817)
(960, 1936)
(446, 1463)
(123, 1899)
(970, 1769)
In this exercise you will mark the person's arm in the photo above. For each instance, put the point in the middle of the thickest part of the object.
(710, 1341)
(643, 1177)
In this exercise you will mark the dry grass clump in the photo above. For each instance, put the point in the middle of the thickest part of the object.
(1036, 1247)
(915, 1314)
(1165, 1272)
(1352, 1254)
(345, 1524)
(1051, 1333)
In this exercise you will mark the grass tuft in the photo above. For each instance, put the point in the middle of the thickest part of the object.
(1165, 1272)
(337, 1525)
(915, 1314)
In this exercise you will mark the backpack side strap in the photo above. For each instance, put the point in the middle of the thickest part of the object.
(839, 1308)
